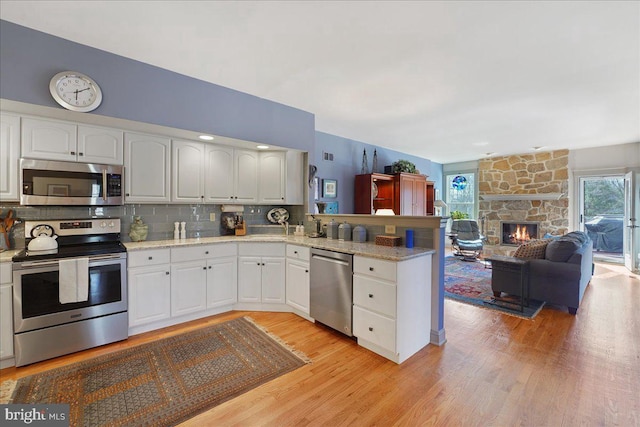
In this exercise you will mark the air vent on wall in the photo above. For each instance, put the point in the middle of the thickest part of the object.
(327, 156)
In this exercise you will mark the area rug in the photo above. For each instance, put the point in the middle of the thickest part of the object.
(470, 282)
(164, 382)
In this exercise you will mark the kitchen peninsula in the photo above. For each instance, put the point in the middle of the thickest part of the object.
(173, 281)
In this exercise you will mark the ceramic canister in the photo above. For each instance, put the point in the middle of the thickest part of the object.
(344, 231)
(359, 234)
(332, 229)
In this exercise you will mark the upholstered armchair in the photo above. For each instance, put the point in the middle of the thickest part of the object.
(466, 239)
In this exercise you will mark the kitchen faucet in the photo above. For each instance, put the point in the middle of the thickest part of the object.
(285, 224)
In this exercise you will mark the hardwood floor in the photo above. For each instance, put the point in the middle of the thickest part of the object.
(494, 369)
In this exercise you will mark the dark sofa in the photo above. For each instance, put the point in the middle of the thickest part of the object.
(558, 270)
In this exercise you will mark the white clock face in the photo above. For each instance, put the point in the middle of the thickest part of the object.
(75, 91)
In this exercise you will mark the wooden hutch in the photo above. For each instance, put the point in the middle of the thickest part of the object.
(405, 193)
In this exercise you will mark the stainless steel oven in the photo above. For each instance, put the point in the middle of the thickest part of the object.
(45, 182)
(45, 324)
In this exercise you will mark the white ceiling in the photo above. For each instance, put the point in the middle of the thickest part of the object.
(448, 81)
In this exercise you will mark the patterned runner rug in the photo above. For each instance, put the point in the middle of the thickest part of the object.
(470, 282)
(164, 382)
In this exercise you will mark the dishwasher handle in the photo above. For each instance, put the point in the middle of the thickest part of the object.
(332, 260)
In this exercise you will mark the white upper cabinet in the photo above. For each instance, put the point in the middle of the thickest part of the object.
(294, 178)
(246, 176)
(100, 145)
(231, 175)
(9, 155)
(271, 177)
(188, 172)
(58, 140)
(147, 162)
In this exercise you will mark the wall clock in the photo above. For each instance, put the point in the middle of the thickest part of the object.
(75, 91)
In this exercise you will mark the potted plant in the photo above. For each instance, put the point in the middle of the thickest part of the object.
(403, 166)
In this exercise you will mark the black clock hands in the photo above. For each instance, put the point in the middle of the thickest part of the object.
(78, 91)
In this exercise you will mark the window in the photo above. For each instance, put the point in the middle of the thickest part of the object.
(461, 193)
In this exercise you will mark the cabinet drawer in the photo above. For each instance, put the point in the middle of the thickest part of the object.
(298, 252)
(379, 268)
(374, 328)
(148, 257)
(203, 252)
(261, 249)
(374, 295)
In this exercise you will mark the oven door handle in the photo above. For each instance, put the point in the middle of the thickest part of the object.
(104, 184)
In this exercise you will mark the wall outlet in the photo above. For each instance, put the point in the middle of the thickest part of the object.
(390, 229)
(212, 216)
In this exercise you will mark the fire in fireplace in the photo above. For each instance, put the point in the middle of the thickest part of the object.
(518, 232)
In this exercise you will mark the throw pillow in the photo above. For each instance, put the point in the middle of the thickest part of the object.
(560, 250)
(533, 249)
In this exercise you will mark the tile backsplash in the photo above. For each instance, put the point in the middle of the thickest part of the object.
(160, 218)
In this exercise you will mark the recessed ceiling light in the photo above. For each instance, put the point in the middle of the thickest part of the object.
(262, 147)
(489, 154)
(537, 148)
(206, 137)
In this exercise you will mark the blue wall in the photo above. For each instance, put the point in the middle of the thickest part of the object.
(347, 162)
(140, 92)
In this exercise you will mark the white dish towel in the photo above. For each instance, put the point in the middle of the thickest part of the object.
(73, 279)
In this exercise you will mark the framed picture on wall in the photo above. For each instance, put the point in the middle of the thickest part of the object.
(329, 188)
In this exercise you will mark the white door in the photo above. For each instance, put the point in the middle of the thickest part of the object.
(246, 176)
(630, 236)
(273, 280)
(100, 145)
(188, 287)
(298, 285)
(49, 140)
(249, 279)
(187, 173)
(6, 321)
(147, 162)
(149, 294)
(218, 174)
(222, 282)
(271, 181)
(9, 156)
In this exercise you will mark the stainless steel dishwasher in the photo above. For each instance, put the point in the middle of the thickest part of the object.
(332, 289)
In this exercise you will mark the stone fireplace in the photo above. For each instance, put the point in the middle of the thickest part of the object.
(516, 233)
(524, 189)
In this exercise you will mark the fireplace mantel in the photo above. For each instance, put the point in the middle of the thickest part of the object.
(538, 196)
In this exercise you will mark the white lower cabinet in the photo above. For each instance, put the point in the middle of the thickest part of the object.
(188, 287)
(391, 307)
(298, 279)
(6, 316)
(149, 294)
(261, 274)
(222, 281)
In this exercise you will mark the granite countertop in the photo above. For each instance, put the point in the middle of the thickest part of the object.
(5, 256)
(370, 249)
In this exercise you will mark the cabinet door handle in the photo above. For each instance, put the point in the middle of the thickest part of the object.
(150, 258)
(258, 264)
(204, 268)
(80, 154)
(166, 272)
(263, 263)
(126, 194)
(370, 268)
(209, 267)
(295, 252)
(206, 252)
(73, 153)
(370, 295)
(370, 329)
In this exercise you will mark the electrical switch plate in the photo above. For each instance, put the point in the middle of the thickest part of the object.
(390, 229)
(212, 216)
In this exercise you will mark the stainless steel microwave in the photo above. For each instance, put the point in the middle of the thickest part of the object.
(45, 182)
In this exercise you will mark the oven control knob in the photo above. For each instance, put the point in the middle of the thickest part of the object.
(103, 224)
(111, 224)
